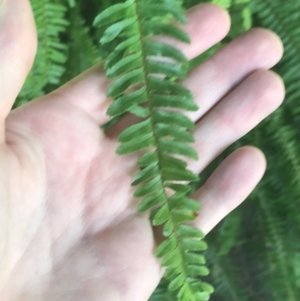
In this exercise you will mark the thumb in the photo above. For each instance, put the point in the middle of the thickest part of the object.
(18, 45)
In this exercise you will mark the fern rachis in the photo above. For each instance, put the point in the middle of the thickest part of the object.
(145, 70)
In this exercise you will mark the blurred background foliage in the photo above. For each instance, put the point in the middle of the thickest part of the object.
(254, 253)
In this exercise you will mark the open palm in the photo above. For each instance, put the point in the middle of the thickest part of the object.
(68, 223)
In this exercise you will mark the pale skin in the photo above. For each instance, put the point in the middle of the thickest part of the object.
(68, 223)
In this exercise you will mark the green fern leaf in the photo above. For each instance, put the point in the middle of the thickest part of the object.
(156, 84)
(164, 50)
(114, 30)
(173, 162)
(188, 231)
(135, 131)
(174, 101)
(148, 158)
(173, 258)
(139, 111)
(136, 144)
(179, 188)
(146, 174)
(152, 186)
(151, 201)
(173, 118)
(177, 133)
(173, 174)
(192, 244)
(161, 216)
(176, 283)
(206, 287)
(166, 69)
(182, 215)
(152, 28)
(177, 148)
(187, 203)
(113, 14)
(194, 258)
(127, 102)
(161, 9)
(124, 65)
(196, 270)
(128, 46)
(124, 82)
(166, 247)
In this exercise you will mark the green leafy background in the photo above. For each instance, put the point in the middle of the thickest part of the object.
(254, 254)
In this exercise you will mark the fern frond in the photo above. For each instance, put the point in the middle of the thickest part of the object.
(51, 54)
(143, 70)
(241, 17)
(162, 293)
(284, 20)
(226, 278)
(82, 53)
(276, 251)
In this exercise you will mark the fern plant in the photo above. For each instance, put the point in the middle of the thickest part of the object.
(144, 71)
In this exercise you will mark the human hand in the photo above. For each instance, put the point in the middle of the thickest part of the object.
(68, 223)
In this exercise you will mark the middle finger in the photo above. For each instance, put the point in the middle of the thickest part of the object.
(239, 112)
(212, 80)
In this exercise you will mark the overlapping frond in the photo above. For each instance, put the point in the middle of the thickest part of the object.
(82, 52)
(276, 250)
(51, 54)
(144, 69)
(282, 128)
(226, 278)
(162, 293)
(284, 20)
